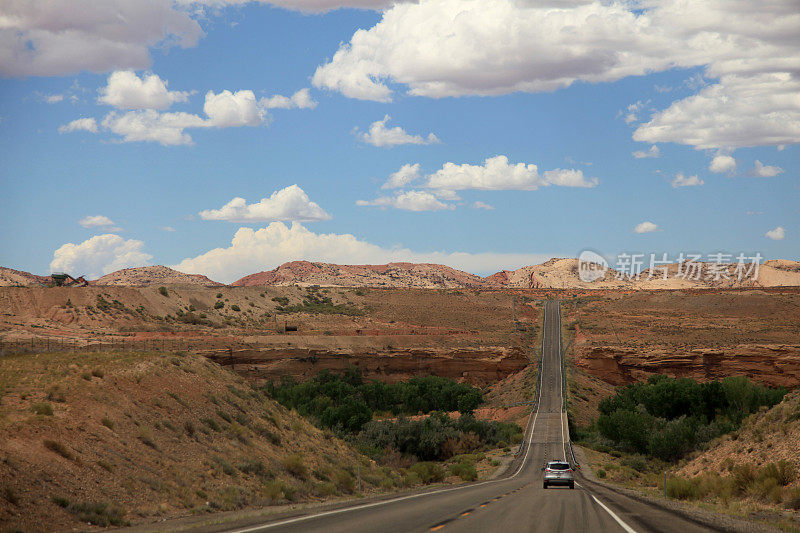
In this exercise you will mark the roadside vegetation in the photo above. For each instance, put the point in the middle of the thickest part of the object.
(347, 404)
(667, 418)
(723, 444)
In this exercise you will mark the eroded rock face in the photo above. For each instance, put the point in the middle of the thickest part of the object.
(475, 366)
(769, 364)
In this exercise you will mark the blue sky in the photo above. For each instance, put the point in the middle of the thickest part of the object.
(567, 128)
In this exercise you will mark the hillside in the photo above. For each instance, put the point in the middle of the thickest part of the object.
(397, 275)
(118, 438)
(154, 275)
(11, 278)
(765, 437)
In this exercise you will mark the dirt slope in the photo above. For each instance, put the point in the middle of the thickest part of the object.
(11, 278)
(764, 437)
(154, 275)
(150, 436)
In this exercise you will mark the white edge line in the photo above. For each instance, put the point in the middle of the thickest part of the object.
(619, 520)
(393, 500)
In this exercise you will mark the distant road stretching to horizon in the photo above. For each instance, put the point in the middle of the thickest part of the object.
(513, 503)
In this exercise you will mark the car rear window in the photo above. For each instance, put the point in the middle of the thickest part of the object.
(558, 466)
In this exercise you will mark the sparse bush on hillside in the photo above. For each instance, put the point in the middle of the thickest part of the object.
(10, 496)
(56, 394)
(107, 422)
(295, 465)
(235, 307)
(59, 448)
(219, 305)
(96, 513)
(428, 472)
(42, 408)
(163, 291)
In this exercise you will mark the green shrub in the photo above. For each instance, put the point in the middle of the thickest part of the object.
(96, 513)
(219, 295)
(146, 436)
(465, 470)
(683, 489)
(295, 465)
(601, 473)
(236, 308)
(637, 462)
(276, 490)
(107, 422)
(188, 426)
(43, 408)
(667, 418)
(783, 472)
(326, 489)
(56, 394)
(428, 472)
(743, 477)
(163, 291)
(59, 448)
(226, 467)
(211, 423)
(219, 305)
(410, 479)
(230, 498)
(345, 481)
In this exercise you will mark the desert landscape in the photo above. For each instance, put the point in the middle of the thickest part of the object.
(105, 385)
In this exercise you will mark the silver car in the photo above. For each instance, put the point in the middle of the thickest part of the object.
(558, 473)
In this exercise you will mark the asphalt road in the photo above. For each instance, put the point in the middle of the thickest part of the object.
(514, 503)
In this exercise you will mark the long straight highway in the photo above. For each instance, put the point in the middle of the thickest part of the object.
(515, 502)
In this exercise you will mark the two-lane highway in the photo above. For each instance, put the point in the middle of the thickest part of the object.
(517, 502)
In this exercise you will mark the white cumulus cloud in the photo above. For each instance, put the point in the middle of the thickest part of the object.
(225, 109)
(440, 48)
(409, 201)
(232, 109)
(653, 151)
(126, 90)
(497, 174)
(407, 174)
(288, 204)
(300, 100)
(645, 227)
(482, 205)
(722, 163)
(265, 248)
(777, 234)
(59, 37)
(95, 221)
(150, 125)
(761, 170)
(380, 135)
(682, 180)
(99, 255)
(80, 124)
